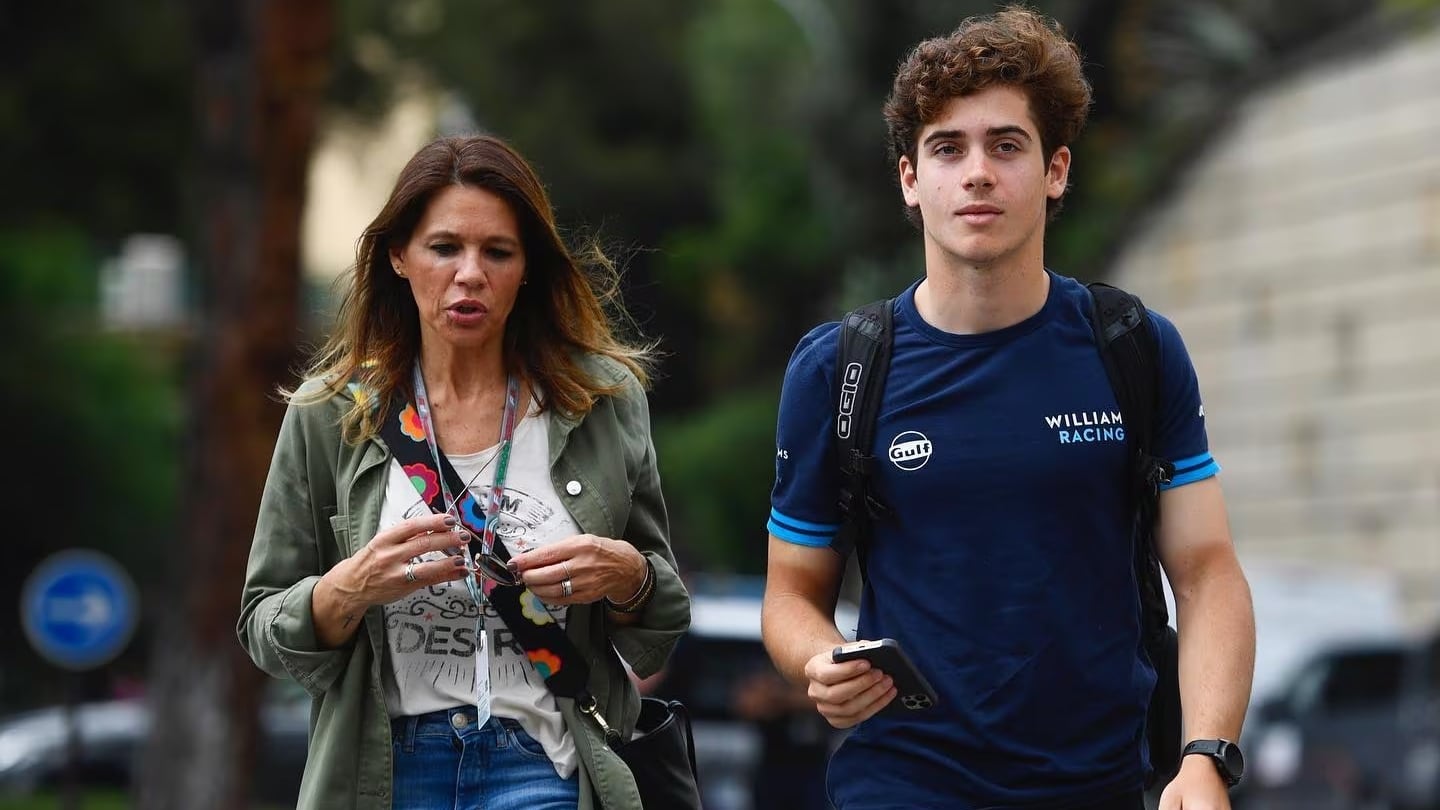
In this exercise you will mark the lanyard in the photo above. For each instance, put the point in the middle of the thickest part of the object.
(492, 513)
(495, 497)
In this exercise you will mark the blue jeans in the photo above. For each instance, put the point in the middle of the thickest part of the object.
(443, 761)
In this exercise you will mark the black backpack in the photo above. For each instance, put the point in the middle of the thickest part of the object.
(1130, 353)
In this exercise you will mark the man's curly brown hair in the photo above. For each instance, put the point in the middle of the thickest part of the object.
(1013, 47)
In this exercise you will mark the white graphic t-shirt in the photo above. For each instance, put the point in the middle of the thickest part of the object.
(430, 635)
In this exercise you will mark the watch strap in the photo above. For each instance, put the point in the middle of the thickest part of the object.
(1214, 749)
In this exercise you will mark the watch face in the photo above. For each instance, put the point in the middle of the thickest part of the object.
(1234, 760)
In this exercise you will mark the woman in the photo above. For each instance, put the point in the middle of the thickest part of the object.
(473, 405)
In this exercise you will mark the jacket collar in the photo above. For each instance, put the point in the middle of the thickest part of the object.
(601, 368)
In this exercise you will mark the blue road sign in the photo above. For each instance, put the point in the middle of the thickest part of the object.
(78, 608)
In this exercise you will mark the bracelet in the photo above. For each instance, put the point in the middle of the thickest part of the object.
(641, 598)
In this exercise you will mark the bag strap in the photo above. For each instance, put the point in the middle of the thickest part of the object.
(1131, 355)
(547, 646)
(867, 337)
(682, 716)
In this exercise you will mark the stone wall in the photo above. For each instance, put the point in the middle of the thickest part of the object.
(1300, 259)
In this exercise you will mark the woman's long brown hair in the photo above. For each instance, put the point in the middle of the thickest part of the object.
(568, 308)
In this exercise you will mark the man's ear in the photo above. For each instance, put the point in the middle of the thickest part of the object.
(1057, 175)
(908, 181)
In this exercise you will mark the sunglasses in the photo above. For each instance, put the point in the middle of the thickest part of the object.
(483, 560)
(487, 564)
(490, 566)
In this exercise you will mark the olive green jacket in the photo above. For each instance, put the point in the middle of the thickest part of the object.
(322, 503)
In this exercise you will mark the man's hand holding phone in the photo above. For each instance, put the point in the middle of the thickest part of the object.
(849, 692)
(856, 681)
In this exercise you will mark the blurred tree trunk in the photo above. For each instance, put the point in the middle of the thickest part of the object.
(261, 70)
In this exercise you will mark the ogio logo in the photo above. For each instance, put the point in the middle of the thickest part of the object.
(849, 385)
(910, 450)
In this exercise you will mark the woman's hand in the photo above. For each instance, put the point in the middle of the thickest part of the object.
(595, 568)
(382, 572)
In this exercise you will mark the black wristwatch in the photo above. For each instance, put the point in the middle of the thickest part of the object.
(1226, 756)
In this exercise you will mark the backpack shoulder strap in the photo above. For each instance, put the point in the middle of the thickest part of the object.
(862, 363)
(1131, 354)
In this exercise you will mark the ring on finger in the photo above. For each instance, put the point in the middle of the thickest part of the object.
(410, 571)
(567, 588)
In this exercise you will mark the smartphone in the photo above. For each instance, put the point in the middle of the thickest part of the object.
(912, 691)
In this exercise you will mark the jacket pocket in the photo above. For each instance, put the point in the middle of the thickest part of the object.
(340, 527)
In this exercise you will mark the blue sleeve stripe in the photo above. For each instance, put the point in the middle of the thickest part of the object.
(804, 525)
(781, 528)
(798, 539)
(1179, 471)
(1184, 464)
(1192, 475)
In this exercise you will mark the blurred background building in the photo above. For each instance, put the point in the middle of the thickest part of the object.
(1299, 255)
(1300, 258)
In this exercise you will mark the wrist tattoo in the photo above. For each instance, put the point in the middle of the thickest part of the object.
(349, 619)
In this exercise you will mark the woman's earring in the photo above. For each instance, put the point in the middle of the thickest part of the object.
(396, 268)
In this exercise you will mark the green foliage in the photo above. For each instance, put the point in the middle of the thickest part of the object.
(108, 406)
(1118, 171)
(717, 467)
(769, 245)
(588, 91)
(45, 265)
(90, 800)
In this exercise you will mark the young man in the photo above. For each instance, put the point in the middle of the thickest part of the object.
(1004, 569)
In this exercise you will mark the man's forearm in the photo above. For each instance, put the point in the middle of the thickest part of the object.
(1216, 621)
(795, 630)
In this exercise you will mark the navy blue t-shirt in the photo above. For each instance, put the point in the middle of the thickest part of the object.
(1005, 572)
